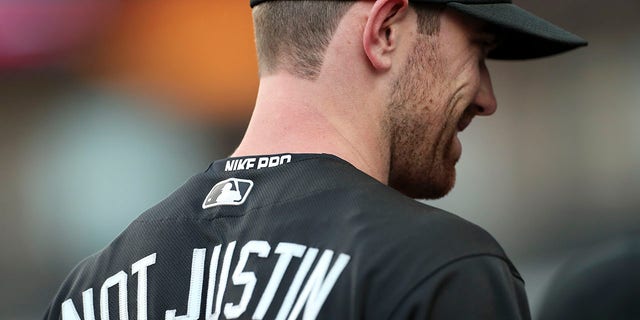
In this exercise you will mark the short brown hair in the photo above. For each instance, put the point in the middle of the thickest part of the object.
(294, 35)
(428, 17)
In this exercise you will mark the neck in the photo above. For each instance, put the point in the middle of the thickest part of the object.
(300, 116)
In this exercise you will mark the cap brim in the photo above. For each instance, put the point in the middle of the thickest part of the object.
(522, 35)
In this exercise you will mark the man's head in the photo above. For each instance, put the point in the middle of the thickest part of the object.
(426, 62)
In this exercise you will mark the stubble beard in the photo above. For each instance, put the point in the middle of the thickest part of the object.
(420, 140)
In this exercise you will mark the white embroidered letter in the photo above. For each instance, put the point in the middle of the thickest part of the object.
(286, 251)
(140, 267)
(195, 288)
(119, 279)
(246, 279)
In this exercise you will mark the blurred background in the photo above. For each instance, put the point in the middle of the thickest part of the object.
(108, 106)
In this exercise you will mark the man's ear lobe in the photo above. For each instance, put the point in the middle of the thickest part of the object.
(380, 33)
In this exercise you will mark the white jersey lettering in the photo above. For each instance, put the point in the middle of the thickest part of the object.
(119, 279)
(286, 251)
(213, 270)
(69, 311)
(318, 286)
(300, 296)
(140, 267)
(195, 288)
(246, 279)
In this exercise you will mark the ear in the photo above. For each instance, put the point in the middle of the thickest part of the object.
(380, 36)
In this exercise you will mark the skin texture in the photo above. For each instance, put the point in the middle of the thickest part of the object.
(444, 85)
(388, 99)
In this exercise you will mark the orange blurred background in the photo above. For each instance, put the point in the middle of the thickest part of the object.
(198, 51)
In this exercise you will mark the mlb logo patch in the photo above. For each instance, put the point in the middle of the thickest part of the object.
(230, 192)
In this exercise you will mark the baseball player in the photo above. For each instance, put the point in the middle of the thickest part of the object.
(358, 111)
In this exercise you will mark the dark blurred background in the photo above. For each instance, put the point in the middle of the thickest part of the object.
(108, 106)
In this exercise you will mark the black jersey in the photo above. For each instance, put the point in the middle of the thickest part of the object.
(293, 236)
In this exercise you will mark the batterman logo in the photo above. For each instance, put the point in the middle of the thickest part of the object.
(230, 192)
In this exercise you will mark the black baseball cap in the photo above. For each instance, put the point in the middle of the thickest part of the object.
(522, 35)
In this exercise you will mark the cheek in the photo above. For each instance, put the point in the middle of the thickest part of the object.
(474, 75)
(463, 94)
